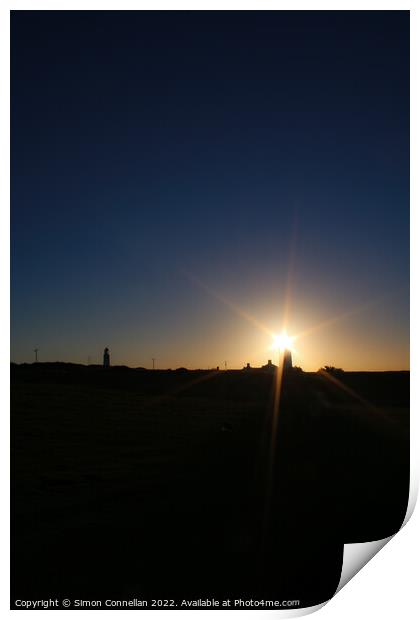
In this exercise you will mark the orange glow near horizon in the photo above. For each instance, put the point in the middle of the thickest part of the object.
(316, 347)
(322, 331)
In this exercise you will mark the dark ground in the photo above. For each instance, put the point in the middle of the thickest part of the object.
(152, 484)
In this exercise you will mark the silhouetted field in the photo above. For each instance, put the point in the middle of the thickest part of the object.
(153, 484)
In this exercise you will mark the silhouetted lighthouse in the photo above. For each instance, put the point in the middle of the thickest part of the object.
(106, 358)
(287, 359)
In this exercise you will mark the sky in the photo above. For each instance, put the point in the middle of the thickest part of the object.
(186, 184)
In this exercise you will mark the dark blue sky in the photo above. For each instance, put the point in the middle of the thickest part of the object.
(147, 146)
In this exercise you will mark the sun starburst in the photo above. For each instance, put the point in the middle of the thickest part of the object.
(282, 342)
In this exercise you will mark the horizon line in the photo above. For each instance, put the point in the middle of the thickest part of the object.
(208, 369)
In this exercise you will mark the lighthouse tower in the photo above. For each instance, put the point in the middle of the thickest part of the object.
(287, 359)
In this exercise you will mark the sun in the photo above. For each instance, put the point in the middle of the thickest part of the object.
(282, 341)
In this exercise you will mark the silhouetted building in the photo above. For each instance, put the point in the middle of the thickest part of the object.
(106, 358)
(269, 366)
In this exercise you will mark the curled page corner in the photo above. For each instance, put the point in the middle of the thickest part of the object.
(414, 489)
(356, 556)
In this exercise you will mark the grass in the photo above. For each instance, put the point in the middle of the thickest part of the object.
(134, 483)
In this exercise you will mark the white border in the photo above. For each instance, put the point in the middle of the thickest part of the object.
(389, 585)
